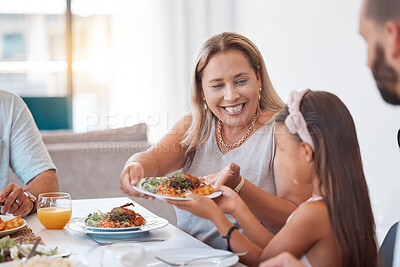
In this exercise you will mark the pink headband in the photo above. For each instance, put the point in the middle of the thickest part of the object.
(295, 121)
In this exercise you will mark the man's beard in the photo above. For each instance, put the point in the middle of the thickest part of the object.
(385, 76)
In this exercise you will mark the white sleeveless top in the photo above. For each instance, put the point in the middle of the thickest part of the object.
(255, 158)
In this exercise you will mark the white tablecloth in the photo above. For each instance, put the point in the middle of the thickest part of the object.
(85, 249)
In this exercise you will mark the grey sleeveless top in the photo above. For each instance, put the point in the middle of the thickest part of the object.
(255, 157)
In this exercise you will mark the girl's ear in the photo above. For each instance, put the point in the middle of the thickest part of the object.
(307, 151)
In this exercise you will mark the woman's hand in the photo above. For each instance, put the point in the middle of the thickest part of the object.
(284, 259)
(130, 177)
(198, 205)
(229, 201)
(229, 176)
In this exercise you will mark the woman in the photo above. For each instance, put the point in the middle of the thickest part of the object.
(232, 120)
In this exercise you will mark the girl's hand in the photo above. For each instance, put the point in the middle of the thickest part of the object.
(229, 201)
(199, 205)
(131, 176)
(229, 176)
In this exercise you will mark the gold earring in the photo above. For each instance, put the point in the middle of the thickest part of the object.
(259, 96)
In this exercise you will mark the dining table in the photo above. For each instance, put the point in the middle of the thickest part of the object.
(85, 250)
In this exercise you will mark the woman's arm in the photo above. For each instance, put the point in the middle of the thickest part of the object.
(271, 210)
(166, 156)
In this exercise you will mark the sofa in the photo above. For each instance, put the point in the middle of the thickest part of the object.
(89, 164)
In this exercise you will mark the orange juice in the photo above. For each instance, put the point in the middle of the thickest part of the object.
(54, 217)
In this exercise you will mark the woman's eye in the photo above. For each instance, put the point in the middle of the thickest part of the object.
(217, 86)
(241, 81)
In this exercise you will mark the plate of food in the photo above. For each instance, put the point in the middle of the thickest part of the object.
(11, 250)
(159, 223)
(10, 224)
(120, 221)
(119, 218)
(176, 187)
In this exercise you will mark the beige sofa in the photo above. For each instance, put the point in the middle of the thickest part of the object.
(89, 164)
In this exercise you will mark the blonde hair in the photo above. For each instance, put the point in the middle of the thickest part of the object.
(200, 128)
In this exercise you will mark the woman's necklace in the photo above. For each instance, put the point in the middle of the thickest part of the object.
(244, 137)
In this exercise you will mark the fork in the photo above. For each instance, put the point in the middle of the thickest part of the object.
(105, 243)
(184, 263)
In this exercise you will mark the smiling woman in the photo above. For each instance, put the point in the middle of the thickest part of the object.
(233, 107)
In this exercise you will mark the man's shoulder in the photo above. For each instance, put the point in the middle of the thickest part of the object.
(8, 94)
(9, 99)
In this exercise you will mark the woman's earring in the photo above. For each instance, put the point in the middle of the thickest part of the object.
(259, 96)
(205, 103)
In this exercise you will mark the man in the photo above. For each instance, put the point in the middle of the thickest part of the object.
(22, 149)
(380, 27)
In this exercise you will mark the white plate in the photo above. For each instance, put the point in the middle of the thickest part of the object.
(41, 248)
(159, 223)
(183, 254)
(81, 223)
(139, 188)
(7, 232)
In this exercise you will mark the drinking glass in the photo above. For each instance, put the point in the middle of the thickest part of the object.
(54, 209)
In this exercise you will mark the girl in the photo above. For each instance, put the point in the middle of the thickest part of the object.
(316, 144)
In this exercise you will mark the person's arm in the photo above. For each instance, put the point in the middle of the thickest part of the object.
(284, 259)
(271, 210)
(166, 156)
(206, 208)
(307, 226)
(230, 202)
(28, 158)
(42, 183)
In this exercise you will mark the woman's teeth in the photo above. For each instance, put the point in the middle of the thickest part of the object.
(234, 109)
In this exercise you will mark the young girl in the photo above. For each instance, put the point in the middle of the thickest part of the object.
(316, 143)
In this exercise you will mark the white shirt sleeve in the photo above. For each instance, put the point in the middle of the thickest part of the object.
(28, 154)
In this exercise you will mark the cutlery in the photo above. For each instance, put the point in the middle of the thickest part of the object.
(33, 248)
(184, 263)
(105, 243)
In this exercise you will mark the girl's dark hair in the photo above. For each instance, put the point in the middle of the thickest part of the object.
(340, 171)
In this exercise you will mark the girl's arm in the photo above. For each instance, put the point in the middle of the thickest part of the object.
(166, 156)
(206, 208)
(283, 260)
(231, 203)
(306, 227)
(271, 210)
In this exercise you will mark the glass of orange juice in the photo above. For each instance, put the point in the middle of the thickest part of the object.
(54, 209)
